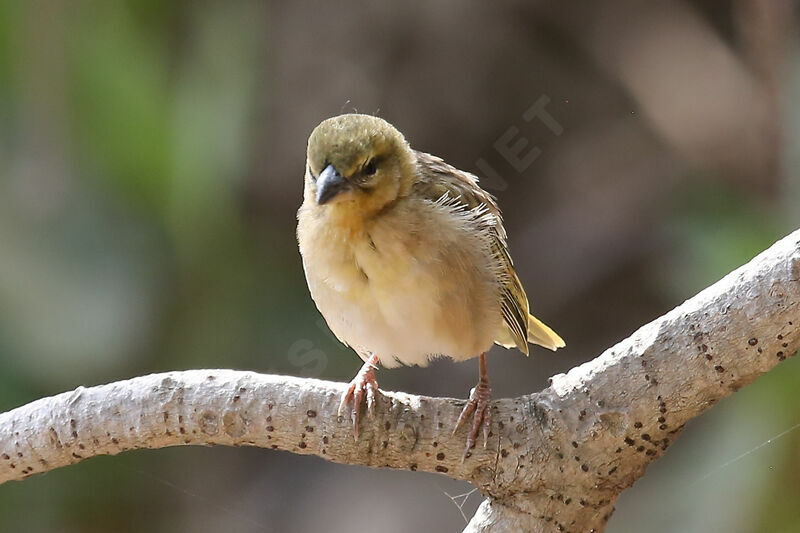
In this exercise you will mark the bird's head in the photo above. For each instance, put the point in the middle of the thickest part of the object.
(357, 164)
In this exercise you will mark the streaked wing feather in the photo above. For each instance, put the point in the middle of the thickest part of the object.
(438, 179)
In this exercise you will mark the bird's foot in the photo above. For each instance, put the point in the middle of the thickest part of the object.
(364, 385)
(478, 407)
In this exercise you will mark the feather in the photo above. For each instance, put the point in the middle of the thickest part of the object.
(439, 181)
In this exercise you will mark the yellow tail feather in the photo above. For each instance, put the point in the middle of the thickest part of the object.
(541, 334)
(538, 333)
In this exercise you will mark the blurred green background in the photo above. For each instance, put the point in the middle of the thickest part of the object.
(151, 160)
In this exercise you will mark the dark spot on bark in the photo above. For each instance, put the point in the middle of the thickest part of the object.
(637, 425)
(440, 456)
(74, 434)
(442, 469)
(584, 468)
(385, 444)
(662, 427)
(780, 337)
(387, 426)
(640, 449)
(114, 441)
(661, 419)
(567, 501)
(5, 456)
(413, 467)
(209, 423)
(504, 453)
(574, 444)
(302, 444)
(709, 356)
(780, 356)
(310, 429)
(311, 413)
(719, 369)
(629, 441)
(647, 377)
(645, 436)
(270, 428)
(650, 452)
(613, 469)
(269, 419)
(753, 341)
(325, 439)
(435, 444)
(76, 456)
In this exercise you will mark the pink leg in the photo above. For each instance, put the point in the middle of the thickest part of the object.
(363, 384)
(478, 407)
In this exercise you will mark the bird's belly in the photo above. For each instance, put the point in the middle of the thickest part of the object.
(404, 306)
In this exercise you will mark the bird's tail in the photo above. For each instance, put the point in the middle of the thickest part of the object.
(538, 333)
(541, 334)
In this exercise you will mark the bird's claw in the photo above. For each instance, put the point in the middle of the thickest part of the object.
(363, 385)
(478, 407)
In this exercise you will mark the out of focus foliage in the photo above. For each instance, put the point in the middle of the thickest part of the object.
(151, 156)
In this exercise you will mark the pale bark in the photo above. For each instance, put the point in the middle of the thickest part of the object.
(556, 460)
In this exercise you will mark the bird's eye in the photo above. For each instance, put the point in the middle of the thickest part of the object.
(370, 168)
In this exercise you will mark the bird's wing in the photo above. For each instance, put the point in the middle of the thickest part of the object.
(439, 180)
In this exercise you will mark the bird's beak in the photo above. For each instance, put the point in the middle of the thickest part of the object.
(329, 184)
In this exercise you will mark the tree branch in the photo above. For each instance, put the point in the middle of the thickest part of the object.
(556, 460)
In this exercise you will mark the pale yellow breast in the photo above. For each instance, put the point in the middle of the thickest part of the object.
(415, 283)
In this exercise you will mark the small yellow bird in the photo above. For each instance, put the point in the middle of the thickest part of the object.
(406, 258)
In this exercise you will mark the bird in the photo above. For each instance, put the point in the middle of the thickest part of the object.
(407, 260)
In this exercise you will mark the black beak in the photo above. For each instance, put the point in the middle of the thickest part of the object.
(329, 184)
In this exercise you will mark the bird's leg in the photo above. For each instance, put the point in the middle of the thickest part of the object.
(478, 407)
(363, 384)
